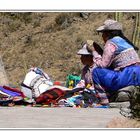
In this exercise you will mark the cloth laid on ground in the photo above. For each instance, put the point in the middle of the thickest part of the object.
(3, 94)
(52, 95)
(14, 90)
(55, 96)
(10, 95)
(9, 91)
(6, 101)
(56, 93)
(64, 97)
(71, 92)
(86, 98)
(76, 100)
(38, 87)
(59, 87)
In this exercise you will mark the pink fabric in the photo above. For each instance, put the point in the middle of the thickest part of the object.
(107, 57)
(123, 59)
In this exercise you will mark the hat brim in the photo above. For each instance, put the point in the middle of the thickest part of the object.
(101, 28)
(81, 52)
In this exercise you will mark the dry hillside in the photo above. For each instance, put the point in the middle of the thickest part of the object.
(50, 40)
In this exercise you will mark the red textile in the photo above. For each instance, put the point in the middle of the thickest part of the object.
(50, 96)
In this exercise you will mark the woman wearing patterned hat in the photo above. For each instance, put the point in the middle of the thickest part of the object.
(118, 66)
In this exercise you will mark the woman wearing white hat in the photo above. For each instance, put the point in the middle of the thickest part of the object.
(118, 67)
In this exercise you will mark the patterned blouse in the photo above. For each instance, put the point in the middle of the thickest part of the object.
(108, 58)
(108, 55)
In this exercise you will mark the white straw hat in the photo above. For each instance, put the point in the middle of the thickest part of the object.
(84, 50)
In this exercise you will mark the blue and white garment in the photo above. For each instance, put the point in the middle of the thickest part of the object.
(125, 71)
(124, 55)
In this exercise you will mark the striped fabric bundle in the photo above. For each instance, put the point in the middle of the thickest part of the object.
(50, 96)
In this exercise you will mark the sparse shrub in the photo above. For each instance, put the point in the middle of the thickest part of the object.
(110, 15)
(84, 15)
(14, 26)
(36, 23)
(60, 19)
(79, 39)
(49, 28)
(24, 17)
(28, 40)
(6, 20)
(64, 20)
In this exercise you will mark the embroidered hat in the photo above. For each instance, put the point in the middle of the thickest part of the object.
(84, 50)
(110, 25)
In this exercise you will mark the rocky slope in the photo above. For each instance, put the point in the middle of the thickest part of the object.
(50, 40)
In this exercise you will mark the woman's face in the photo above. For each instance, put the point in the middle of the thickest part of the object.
(87, 60)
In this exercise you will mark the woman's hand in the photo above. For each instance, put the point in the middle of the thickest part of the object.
(93, 46)
(90, 46)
